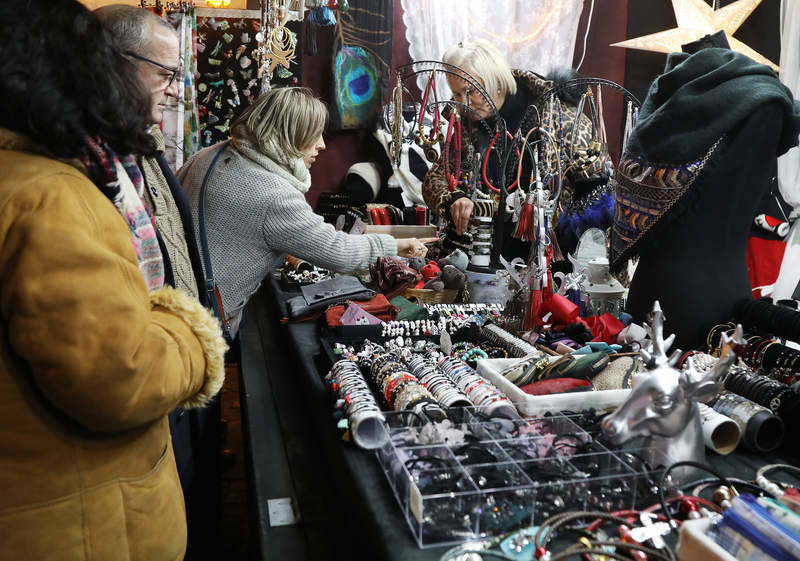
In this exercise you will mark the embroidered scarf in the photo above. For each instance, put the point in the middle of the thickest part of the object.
(688, 111)
(120, 179)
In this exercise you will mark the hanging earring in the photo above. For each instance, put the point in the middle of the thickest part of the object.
(628, 125)
(429, 143)
(397, 122)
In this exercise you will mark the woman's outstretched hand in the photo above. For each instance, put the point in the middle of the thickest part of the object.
(413, 247)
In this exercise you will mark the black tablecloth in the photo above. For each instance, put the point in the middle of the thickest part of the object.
(346, 506)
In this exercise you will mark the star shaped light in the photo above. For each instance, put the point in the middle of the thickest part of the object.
(697, 19)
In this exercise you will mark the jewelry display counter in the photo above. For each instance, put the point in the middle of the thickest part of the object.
(342, 506)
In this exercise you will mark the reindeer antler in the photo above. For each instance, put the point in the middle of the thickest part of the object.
(737, 343)
(736, 346)
(706, 386)
(658, 356)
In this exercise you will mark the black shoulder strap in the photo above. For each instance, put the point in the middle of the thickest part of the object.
(206, 254)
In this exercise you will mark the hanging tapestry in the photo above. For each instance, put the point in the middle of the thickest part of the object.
(191, 132)
(180, 122)
(227, 71)
(362, 60)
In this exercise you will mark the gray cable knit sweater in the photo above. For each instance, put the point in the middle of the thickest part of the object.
(256, 212)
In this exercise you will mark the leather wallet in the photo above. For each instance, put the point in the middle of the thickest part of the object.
(317, 297)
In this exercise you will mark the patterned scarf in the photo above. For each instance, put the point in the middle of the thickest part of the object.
(688, 111)
(121, 181)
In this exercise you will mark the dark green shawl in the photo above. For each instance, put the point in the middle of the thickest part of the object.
(684, 120)
(702, 96)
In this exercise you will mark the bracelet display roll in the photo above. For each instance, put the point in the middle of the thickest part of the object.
(441, 387)
(762, 431)
(366, 422)
(720, 433)
(486, 397)
(765, 391)
(516, 347)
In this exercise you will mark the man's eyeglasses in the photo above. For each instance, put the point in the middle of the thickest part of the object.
(174, 71)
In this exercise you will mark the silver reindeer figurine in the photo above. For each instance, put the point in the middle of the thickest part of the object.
(662, 405)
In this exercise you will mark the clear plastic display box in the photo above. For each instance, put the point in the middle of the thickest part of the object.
(477, 478)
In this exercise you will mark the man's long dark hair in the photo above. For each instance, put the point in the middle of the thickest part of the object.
(63, 82)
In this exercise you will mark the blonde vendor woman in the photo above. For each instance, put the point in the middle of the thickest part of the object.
(512, 92)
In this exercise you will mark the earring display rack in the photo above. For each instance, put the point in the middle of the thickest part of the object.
(409, 74)
(481, 477)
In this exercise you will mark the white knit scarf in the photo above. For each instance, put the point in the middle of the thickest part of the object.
(293, 170)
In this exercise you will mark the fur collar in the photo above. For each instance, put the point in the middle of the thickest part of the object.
(532, 82)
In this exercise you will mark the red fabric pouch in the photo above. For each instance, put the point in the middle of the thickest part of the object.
(556, 385)
(378, 306)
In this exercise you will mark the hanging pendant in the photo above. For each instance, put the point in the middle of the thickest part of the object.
(431, 154)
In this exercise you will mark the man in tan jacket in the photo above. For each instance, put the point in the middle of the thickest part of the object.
(152, 44)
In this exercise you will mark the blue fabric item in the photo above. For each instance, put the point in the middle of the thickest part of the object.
(574, 296)
(596, 210)
(625, 318)
(322, 16)
(748, 528)
(603, 346)
(598, 346)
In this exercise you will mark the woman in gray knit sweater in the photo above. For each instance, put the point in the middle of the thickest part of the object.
(256, 211)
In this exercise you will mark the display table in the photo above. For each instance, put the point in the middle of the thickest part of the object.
(344, 505)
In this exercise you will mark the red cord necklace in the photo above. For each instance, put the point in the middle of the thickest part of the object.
(486, 162)
(453, 134)
(430, 87)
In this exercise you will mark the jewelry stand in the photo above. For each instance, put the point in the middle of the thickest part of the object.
(392, 121)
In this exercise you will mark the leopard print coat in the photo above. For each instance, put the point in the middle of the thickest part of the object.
(434, 186)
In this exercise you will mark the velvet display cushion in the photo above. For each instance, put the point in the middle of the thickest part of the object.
(557, 385)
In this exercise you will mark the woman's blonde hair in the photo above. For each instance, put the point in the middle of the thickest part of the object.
(290, 118)
(483, 61)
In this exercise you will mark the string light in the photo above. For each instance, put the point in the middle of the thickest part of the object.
(524, 39)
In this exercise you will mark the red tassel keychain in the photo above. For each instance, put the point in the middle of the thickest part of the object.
(525, 225)
(524, 229)
(534, 305)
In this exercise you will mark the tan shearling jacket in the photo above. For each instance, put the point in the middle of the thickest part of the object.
(90, 365)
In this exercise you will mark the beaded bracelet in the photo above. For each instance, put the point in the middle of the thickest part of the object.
(460, 347)
(495, 352)
(770, 486)
(471, 353)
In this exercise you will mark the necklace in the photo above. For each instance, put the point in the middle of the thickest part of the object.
(429, 144)
(453, 134)
(486, 162)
